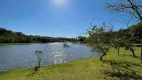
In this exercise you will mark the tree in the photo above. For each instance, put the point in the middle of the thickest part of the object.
(99, 39)
(38, 54)
(118, 40)
(81, 38)
(131, 8)
(8, 36)
(137, 30)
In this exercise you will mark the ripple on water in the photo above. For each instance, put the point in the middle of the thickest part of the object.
(23, 56)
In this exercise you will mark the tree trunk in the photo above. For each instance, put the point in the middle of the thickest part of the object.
(133, 52)
(37, 67)
(39, 61)
(118, 50)
(141, 53)
(101, 58)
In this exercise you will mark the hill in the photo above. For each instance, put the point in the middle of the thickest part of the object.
(8, 36)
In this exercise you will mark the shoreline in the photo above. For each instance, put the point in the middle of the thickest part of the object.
(85, 69)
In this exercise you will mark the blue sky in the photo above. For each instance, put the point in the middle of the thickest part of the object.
(56, 18)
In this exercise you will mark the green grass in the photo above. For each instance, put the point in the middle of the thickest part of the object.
(123, 67)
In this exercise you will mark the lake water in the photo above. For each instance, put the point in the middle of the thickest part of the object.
(16, 56)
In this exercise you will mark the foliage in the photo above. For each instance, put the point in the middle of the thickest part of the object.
(133, 9)
(100, 39)
(137, 31)
(127, 37)
(8, 36)
(81, 38)
(117, 40)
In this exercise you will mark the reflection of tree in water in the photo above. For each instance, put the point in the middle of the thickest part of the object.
(122, 70)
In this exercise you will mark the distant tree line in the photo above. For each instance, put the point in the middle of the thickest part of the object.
(8, 36)
(81, 39)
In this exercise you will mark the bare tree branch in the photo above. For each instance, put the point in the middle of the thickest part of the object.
(126, 6)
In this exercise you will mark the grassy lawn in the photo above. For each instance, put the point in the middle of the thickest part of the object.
(123, 67)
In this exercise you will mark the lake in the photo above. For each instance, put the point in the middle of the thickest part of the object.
(15, 56)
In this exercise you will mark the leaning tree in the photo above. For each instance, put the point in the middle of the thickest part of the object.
(99, 39)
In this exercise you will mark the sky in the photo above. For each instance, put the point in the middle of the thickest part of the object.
(56, 18)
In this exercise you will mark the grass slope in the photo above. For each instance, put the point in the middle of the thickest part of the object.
(123, 67)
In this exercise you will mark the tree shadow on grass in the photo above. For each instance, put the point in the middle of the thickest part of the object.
(31, 74)
(124, 76)
(122, 70)
(130, 56)
(121, 63)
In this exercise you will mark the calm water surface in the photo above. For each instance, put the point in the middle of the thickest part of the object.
(23, 56)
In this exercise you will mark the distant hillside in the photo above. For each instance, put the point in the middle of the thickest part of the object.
(8, 36)
(137, 30)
